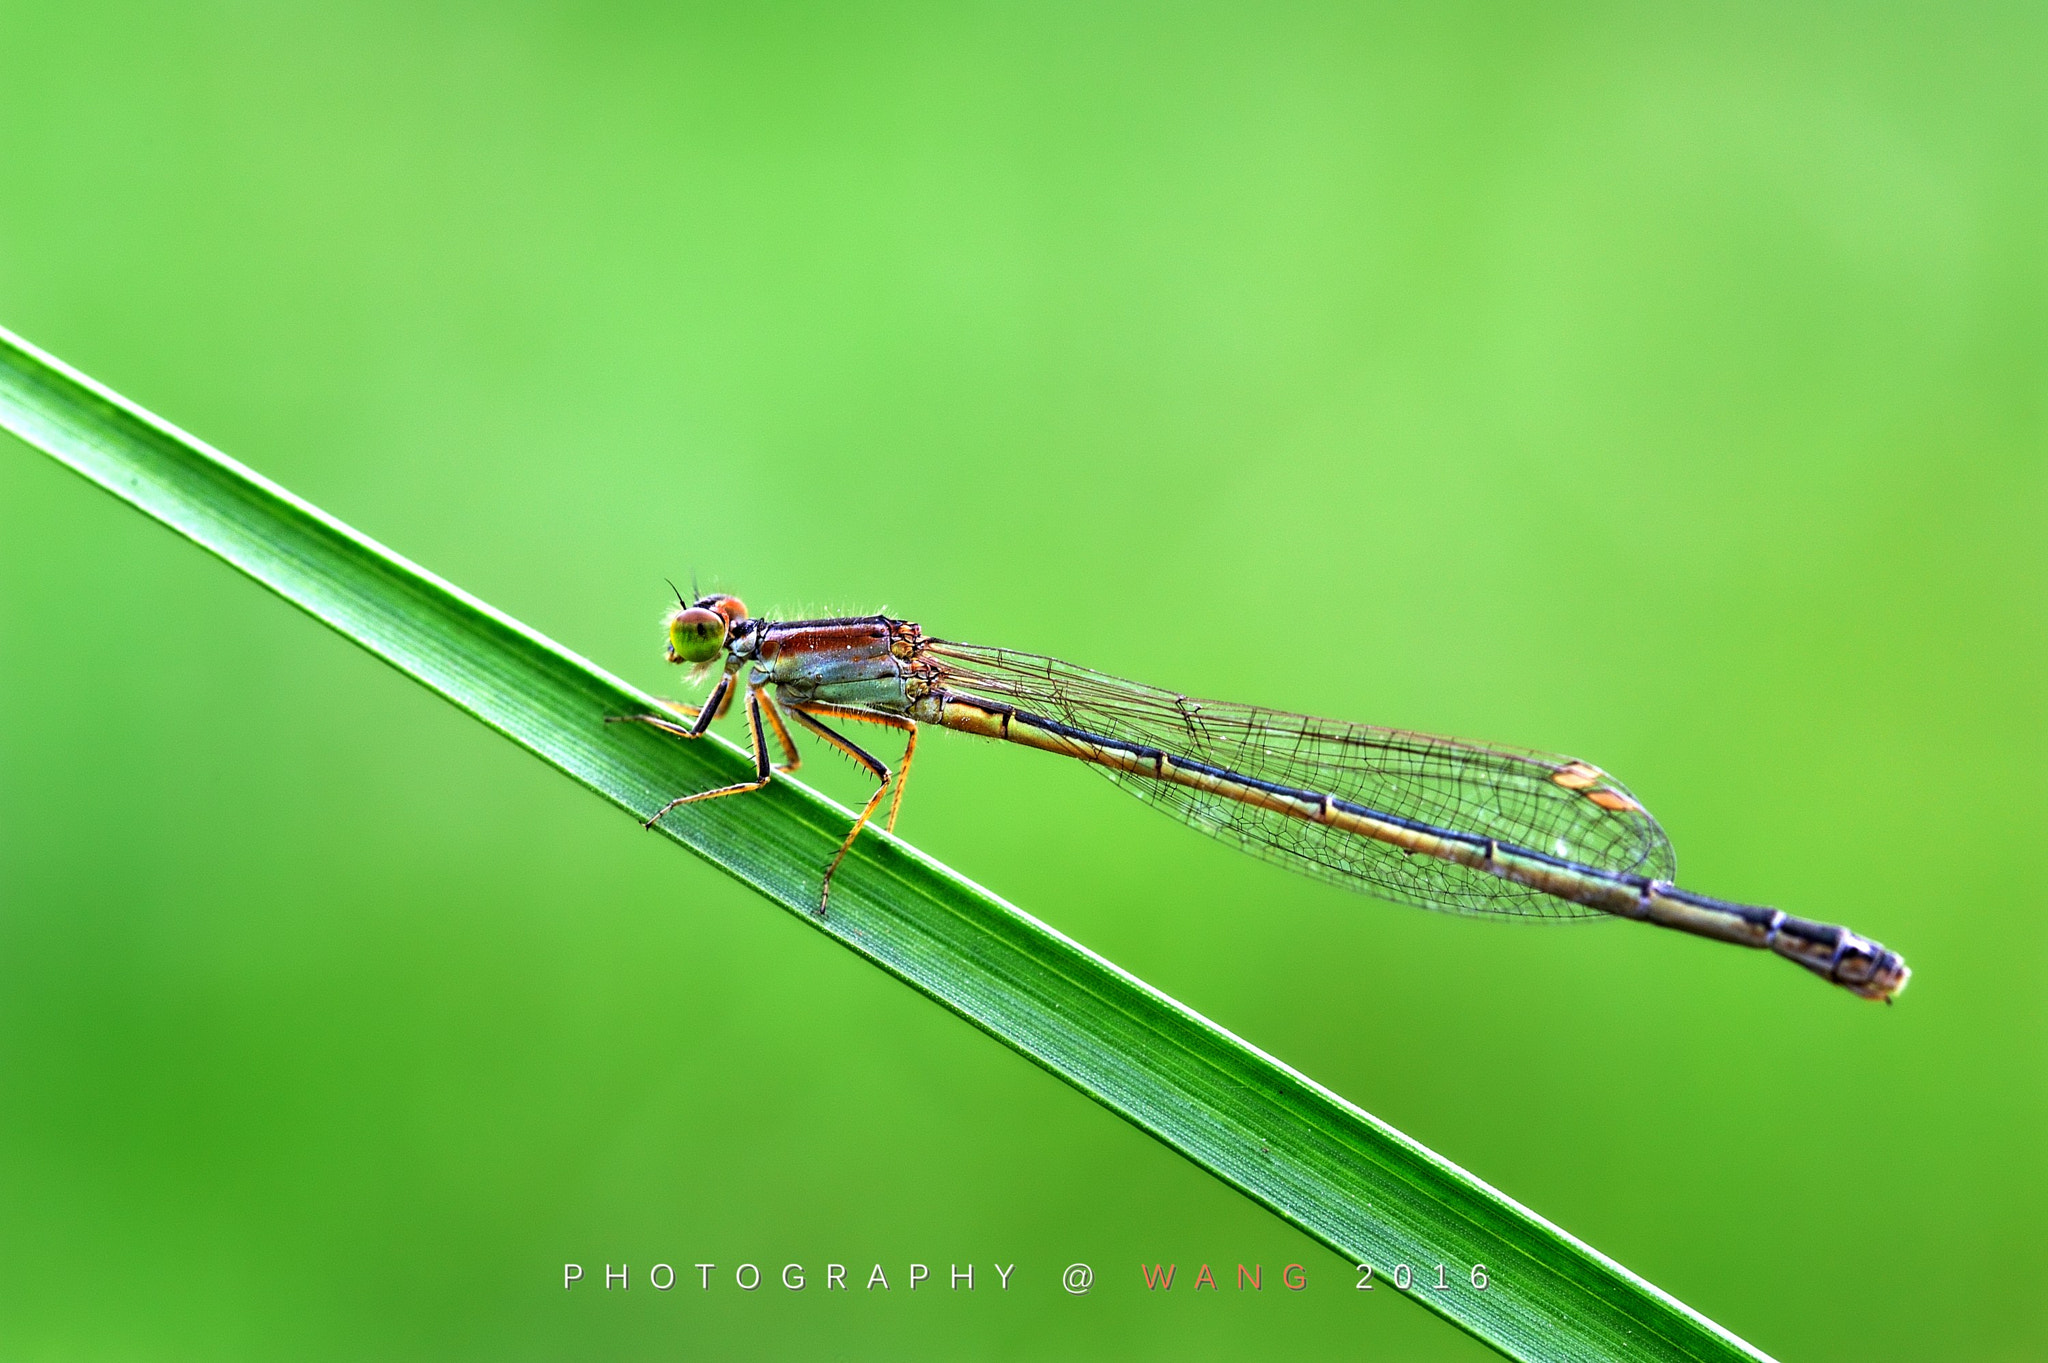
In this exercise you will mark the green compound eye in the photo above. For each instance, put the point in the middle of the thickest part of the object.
(695, 635)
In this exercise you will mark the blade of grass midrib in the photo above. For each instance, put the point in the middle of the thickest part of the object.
(1343, 1177)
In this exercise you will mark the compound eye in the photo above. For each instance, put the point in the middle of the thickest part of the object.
(695, 635)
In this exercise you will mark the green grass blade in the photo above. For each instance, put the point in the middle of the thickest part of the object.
(1347, 1179)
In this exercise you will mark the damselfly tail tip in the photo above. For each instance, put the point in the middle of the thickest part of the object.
(1886, 978)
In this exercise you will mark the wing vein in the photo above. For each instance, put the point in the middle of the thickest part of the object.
(1488, 792)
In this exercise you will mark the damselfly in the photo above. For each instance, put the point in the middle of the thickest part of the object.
(1435, 822)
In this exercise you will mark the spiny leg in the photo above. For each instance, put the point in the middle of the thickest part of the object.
(875, 769)
(902, 776)
(654, 722)
(717, 703)
(700, 716)
(763, 772)
(887, 722)
(773, 714)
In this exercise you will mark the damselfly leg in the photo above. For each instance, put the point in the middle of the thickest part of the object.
(764, 716)
(807, 715)
(773, 714)
(756, 733)
(908, 727)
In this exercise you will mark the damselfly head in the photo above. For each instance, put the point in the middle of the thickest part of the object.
(696, 635)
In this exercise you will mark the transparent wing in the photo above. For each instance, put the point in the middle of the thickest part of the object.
(1556, 806)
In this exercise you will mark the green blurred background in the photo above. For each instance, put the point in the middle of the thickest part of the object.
(1665, 387)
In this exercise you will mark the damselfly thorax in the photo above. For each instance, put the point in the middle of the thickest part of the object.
(1436, 822)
